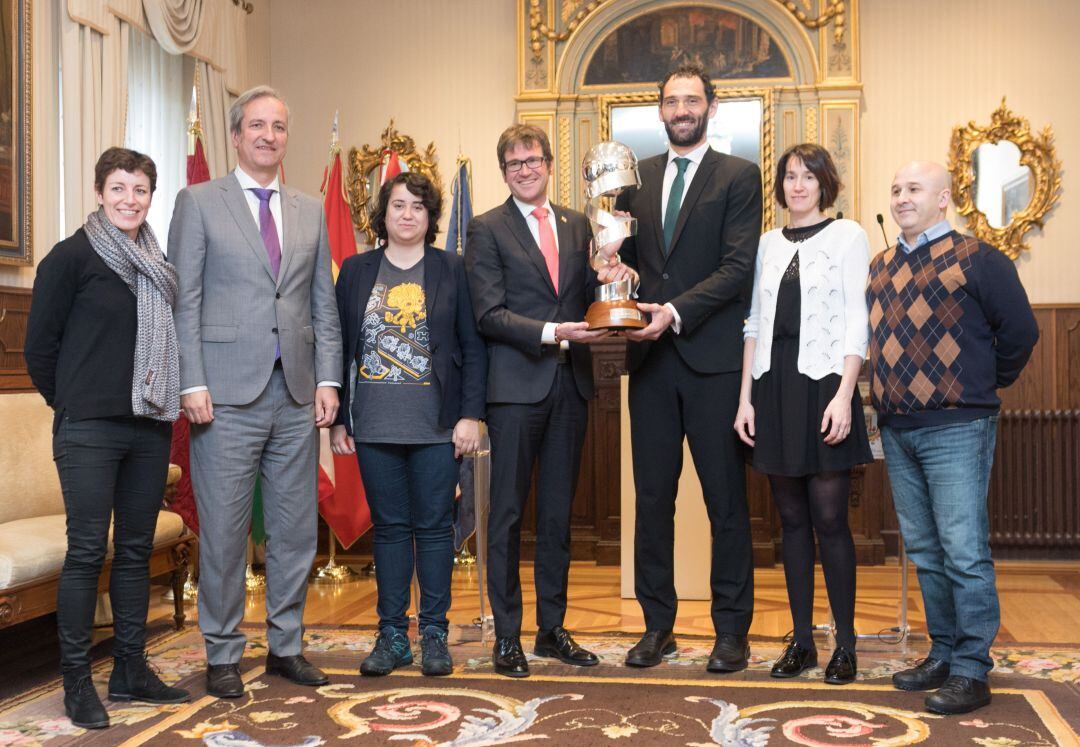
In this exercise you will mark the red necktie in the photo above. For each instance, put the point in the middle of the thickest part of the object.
(547, 246)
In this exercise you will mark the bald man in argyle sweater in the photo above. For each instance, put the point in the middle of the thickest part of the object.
(950, 324)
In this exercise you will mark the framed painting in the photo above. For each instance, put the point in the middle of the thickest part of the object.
(15, 132)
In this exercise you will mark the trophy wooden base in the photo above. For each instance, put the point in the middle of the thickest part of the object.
(615, 315)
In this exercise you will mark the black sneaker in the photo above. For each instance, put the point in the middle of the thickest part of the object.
(81, 701)
(435, 658)
(959, 695)
(133, 678)
(390, 652)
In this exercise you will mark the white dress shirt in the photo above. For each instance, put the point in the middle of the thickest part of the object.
(694, 157)
(547, 336)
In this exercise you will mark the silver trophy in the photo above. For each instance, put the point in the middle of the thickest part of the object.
(609, 168)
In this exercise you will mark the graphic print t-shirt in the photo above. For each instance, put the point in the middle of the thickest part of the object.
(397, 394)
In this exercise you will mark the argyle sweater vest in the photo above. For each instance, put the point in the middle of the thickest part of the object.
(949, 324)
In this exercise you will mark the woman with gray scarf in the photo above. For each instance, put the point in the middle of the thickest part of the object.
(101, 349)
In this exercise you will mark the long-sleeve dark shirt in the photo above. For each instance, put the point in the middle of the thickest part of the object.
(80, 338)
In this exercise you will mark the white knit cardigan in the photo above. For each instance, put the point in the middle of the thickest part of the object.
(833, 268)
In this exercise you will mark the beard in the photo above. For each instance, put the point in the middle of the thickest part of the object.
(694, 136)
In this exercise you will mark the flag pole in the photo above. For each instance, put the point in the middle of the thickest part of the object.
(332, 572)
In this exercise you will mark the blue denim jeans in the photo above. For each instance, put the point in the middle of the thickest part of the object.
(939, 477)
(410, 491)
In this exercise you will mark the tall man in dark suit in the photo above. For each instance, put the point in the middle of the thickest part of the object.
(699, 219)
(528, 272)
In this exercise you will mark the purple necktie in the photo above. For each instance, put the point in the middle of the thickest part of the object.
(268, 229)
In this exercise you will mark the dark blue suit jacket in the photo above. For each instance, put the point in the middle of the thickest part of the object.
(459, 356)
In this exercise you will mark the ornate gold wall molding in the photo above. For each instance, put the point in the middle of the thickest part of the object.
(540, 33)
(1036, 152)
(362, 162)
(565, 169)
(810, 129)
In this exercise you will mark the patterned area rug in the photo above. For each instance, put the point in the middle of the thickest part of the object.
(1036, 702)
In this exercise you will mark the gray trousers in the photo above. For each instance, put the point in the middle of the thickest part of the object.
(275, 439)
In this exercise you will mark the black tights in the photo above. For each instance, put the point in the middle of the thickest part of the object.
(808, 505)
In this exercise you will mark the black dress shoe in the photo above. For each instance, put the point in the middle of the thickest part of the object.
(508, 657)
(651, 649)
(794, 661)
(223, 681)
(133, 678)
(842, 667)
(730, 653)
(296, 669)
(928, 674)
(959, 695)
(557, 643)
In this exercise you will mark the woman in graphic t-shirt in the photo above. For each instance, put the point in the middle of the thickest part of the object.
(415, 372)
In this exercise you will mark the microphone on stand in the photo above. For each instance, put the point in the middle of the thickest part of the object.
(839, 214)
(881, 222)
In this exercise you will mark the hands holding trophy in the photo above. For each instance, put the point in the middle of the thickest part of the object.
(609, 168)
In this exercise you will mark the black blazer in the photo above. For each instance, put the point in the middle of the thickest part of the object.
(513, 298)
(457, 350)
(709, 272)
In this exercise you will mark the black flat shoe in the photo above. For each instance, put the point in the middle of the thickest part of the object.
(842, 667)
(651, 649)
(959, 695)
(509, 658)
(296, 669)
(794, 661)
(223, 681)
(731, 653)
(557, 643)
(928, 674)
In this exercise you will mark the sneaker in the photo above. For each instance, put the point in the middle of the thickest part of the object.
(133, 678)
(390, 652)
(435, 658)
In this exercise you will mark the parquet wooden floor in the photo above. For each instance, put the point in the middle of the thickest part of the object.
(1040, 602)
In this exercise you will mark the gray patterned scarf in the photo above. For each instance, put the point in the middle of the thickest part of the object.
(155, 390)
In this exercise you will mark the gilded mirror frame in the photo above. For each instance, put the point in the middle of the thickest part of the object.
(1036, 152)
(768, 137)
(368, 158)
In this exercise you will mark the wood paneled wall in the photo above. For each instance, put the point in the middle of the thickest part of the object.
(1033, 490)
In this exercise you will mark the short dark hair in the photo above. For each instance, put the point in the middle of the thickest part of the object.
(419, 185)
(819, 163)
(123, 159)
(690, 70)
(522, 134)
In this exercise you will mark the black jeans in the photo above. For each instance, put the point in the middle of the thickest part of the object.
(111, 469)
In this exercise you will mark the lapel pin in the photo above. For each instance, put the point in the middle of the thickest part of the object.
(562, 218)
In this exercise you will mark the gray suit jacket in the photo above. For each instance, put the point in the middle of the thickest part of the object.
(230, 314)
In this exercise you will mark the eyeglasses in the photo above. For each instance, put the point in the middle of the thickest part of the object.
(533, 162)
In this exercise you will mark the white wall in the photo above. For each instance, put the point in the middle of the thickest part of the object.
(443, 70)
(929, 65)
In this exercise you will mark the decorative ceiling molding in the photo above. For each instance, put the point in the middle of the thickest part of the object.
(540, 33)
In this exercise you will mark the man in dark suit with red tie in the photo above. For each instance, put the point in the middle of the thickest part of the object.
(528, 272)
(699, 220)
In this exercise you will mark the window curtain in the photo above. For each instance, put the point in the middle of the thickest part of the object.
(157, 122)
(175, 24)
(214, 101)
(94, 66)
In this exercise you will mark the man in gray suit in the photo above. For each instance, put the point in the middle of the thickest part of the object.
(258, 326)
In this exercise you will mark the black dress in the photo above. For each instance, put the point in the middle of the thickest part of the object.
(789, 406)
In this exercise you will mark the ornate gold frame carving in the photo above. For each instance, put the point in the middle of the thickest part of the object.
(768, 134)
(21, 250)
(540, 33)
(363, 161)
(1036, 152)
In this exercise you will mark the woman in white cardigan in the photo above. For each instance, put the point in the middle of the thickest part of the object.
(799, 406)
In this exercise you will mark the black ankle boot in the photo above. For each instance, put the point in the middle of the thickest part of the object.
(133, 679)
(81, 701)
